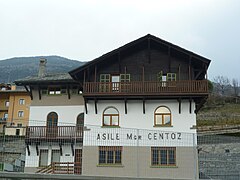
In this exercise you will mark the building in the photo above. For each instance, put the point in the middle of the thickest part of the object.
(138, 104)
(141, 102)
(54, 135)
(14, 109)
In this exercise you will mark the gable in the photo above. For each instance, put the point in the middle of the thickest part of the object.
(148, 51)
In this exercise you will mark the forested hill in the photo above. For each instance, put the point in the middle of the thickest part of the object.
(21, 67)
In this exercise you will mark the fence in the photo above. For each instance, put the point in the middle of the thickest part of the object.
(118, 152)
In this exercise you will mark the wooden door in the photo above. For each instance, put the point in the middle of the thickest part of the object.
(78, 161)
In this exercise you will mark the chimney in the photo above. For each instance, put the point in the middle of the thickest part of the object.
(42, 67)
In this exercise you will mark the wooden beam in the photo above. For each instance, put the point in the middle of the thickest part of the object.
(29, 92)
(84, 76)
(39, 93)
(95, 74)
(189, 68)
(31, 95)
(28, 150)
(95, 102)
(72, 148)
(149, 51)
(179, 72)
(119, 61)
(144, 106)
(85, 103)
(169, 60)
(198, 74)
(179, 105)
(37, 150)
(125, 102)
(143, 73)
(60, 147)
(190, 106)
(68, 92)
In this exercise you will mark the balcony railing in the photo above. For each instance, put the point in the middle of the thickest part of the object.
(38, 133)
(146, 88)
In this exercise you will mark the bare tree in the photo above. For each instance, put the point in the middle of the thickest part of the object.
(222, 84)
(235, 85)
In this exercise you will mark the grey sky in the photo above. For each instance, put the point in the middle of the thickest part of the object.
(84, 30)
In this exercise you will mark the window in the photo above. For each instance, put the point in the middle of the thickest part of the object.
(162, 116)
(163, 156)
(110, 155)
(171, 77)
(43, 159)
(17, 132)
(104, 77)
(52, 122)
(20, 113)
(21, 101)
(5, 116)
(110, 117)
(6, 103)
(19, 125)
(54, 91)
(125, 77)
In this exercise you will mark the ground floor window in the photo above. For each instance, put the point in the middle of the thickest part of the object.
(163, 156)
(110, 155)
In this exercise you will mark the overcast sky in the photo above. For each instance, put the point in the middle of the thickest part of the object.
(84, 30)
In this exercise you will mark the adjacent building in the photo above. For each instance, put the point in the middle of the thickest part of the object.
(54, 134)
(14, 109)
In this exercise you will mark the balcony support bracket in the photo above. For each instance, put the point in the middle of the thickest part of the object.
(95, 102)
(60, 146)
(39, 93)
(37, 149)
(28, 149)
(144, 106)
(85, 103)
(190, 105)
(125, 101)
(179, 105)
(72, 147)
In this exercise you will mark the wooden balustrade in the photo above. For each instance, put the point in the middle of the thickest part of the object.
(53, 132)
(146, 88)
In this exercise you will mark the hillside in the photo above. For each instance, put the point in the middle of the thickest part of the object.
(21, 67)
(219, 110)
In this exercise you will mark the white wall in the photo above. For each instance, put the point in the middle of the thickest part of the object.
(67, 115)
(136, 119)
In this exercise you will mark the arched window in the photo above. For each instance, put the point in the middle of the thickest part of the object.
(52, 119)
(162, 116)
(80, 120)
(110, 117)
(52, 122)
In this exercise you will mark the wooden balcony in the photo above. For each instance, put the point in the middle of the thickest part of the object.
(149, 88)
(54, 134)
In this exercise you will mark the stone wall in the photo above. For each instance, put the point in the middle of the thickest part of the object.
(12, 152)
(219, 156)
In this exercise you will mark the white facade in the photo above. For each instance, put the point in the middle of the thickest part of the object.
(135, 118)
(67, 115)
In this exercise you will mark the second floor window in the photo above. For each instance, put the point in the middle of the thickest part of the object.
(110, 117)
(20, 113)
(162, 116)
(21, 101)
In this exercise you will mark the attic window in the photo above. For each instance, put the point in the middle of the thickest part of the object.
(54, 91)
